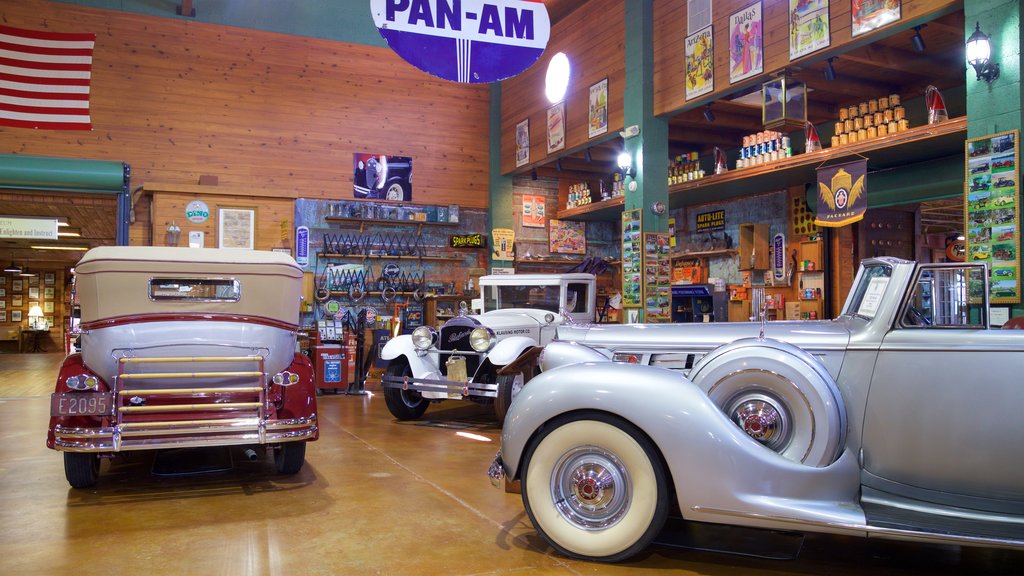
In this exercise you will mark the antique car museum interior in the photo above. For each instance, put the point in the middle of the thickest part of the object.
(511, 286)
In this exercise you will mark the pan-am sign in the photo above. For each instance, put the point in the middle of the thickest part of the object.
(470, 41)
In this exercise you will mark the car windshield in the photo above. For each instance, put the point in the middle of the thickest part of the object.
(538, 297)
(867, 294)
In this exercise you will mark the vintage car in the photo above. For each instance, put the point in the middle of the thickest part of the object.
(475, 356)
(898, 419)
(183, 348)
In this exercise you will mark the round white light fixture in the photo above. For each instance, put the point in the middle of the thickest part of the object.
(557, 80)
(625, 160)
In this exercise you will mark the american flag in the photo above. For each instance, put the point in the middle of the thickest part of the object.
(44, 79)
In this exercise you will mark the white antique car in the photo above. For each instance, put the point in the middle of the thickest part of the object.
(899, 419)
(478, 356)
(181, 348)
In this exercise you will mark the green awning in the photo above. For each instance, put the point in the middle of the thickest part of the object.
(61, 174)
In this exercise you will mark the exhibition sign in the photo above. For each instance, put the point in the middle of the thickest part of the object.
(469, 41)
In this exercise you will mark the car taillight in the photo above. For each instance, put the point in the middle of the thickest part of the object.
(82, 382)
(285, 378)
(627, 358)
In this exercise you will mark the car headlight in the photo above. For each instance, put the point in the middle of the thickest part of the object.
(424, 337)
(482, 339)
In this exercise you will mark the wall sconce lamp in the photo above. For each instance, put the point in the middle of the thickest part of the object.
(708, 114)
(917, 40)
(979, 54)
(173, 232)
(830, 72)
(625, 162)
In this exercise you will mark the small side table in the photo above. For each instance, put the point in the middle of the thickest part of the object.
(34, 338)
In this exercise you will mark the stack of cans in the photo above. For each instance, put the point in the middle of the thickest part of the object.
(763, 147)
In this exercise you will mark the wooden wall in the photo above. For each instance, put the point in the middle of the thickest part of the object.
(593, 38)
(262, 111)
(670, 35)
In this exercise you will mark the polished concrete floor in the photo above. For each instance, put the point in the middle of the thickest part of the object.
(375, 497)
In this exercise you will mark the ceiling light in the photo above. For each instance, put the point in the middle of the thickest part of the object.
(556, 82)
(13, 268)
(916, 40)
(55, 247)
(830, 72)
(25, 272)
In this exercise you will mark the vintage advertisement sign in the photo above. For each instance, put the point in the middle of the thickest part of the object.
(302, 246)
(711, 221)
(808, 27)
(469, 41)
(992, 211)
(700, 64)
(197, 212)
(504, 241)
(746, 43)
(467, 241)
(842, 193)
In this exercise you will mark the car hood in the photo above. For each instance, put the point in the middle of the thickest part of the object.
(825, 339)
(516, 321)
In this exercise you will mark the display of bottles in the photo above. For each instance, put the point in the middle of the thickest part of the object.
(684, 168)
(579, 195)
(618, 185)
(762, 147)
(869, 120)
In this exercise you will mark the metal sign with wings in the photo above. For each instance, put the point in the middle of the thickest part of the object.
(842, 194)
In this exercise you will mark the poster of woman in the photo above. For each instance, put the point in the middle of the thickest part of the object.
(746, 41)
(700, 63)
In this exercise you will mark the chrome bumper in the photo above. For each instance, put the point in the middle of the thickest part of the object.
(449, 387)
(183, 434)
(496, 471)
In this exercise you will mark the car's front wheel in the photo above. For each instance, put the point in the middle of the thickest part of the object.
(395, 192)
(509, 386)
(403, 404)
(81, 469)
(594, 487)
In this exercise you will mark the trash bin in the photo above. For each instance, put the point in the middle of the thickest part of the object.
(331, 368)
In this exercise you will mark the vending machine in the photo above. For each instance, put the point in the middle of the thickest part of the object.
(699, 303)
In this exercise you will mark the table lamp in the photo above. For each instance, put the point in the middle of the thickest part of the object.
(35, 317)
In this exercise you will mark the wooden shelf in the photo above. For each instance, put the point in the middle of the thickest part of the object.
(917, 144)
(396, 222)
(374, 257)
(549, 261)
(704, 254)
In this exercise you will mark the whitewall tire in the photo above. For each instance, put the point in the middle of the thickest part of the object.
(594, 487)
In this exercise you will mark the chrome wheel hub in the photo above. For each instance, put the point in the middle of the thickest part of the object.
(590, 488)
(763, 418)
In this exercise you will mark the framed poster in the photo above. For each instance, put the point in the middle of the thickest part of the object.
(49, 320)
(700, 63)
(808, 27)
(33, 280)
(567, 237)
(534, 213)
(746, 42)
(632, 258)
(3, 315)
(16, 286)
(381, 177)
(992, 211)
(556, 127)
(657, 278)
(48, 278)
(3, 304)
(48, 307)
(868, 16)
(236, 227)
(48, 293)
(33, 293)
(15, 315)
(598, 109)
(3, 292)
(523, 143)
(16, 301)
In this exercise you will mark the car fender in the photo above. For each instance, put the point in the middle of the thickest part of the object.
(508, 349)
(719, 473)
(562, 353)
(422, 366)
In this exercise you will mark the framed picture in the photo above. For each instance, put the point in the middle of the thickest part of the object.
(15, 315)
(534, 212)
(48, 293)
(48, 278)
(556, 127)
(746, 42)
(567, 237)
(33, 293)
(16, 286)
(3, 315)
(3, 280)
(700, 63)
(236, 228)
(523, 143)
(33, 280)
(16, 301)
(868, 16)
(3, 304)
(632, 256)
(3, 292)
(49, 320)
(598, 109)
(48, 307)
(808, 27)
(992, 210)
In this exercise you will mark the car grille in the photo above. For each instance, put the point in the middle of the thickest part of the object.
(457, 338)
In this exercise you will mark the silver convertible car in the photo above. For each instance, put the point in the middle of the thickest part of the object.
(899, 419)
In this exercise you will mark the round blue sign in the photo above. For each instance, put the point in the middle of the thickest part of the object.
(470, 41)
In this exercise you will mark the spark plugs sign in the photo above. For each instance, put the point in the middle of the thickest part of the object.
(471, 41)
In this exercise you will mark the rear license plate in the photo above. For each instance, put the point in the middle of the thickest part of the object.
(82, 404)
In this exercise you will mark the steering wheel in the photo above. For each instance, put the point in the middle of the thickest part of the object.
(917, 317)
